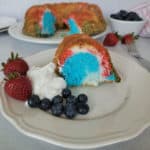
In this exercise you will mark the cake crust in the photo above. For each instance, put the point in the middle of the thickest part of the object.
(83, 40)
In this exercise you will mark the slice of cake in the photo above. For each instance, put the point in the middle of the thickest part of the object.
(82, 60)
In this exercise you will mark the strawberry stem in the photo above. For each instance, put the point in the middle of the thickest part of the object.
(3, 64)
(13, 75)
(132, 34)
(136, 37)
(17, 55)
(5, 79)
(119, 36)
(12, 56)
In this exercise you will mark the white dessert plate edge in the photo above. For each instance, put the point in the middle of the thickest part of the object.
(134, 130)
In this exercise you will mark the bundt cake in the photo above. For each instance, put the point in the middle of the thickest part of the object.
(82, 60)
(45, 20)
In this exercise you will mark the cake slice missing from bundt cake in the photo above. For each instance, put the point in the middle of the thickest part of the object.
(82, 60)
(84, 21)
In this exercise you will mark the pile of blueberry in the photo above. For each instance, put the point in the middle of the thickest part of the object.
(66, 104)
(125, 15)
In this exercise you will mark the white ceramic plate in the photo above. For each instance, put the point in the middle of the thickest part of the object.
(119, 111)
(3, 29)
(5, 22)
(16, 32)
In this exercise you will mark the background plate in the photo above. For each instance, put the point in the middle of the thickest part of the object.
(16, 32)
(115, 123)
(5, 22)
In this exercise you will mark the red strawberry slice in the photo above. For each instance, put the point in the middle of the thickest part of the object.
(111, 39)
(15, 64)
(19, 88)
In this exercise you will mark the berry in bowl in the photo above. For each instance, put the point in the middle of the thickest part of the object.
(124, 22)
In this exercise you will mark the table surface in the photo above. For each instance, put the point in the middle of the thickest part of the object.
(12, 139)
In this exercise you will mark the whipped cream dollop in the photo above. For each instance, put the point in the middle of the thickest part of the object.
(45, 83)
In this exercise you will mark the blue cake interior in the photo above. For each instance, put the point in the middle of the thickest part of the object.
(81, 67)
(48, 23)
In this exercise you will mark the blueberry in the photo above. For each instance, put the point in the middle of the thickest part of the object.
(123, 14)
(119, 17)
(66, 93)
(70, 110)
(115, 16)
(138, 18)
(34, 101)
(57, 99)
(131, 16)
(71, 99)
(82, 108)
(57, 109)
(45, 104)
(82, 98)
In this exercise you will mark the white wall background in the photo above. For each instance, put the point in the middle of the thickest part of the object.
(17, 8)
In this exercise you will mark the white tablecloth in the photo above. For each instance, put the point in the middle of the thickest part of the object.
(12, 139)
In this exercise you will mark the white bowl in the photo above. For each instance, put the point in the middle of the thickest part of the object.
(124, 27)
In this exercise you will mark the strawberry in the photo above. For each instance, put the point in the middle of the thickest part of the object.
(15, 64)
(18, 87)
(128, 39)
(111, 39)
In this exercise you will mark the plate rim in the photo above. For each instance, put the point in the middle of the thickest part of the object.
(64, 145)
(31, 39)
(15, 123)
(4, 29)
